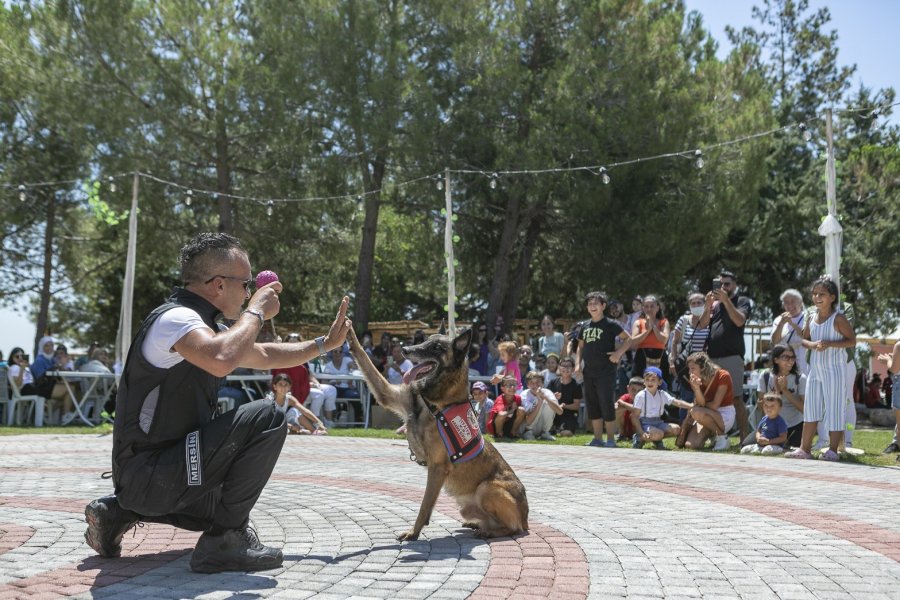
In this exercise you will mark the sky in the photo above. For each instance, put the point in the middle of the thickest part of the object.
(865, 31)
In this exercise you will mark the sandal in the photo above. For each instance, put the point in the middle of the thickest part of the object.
(799, 453)
(830, 455)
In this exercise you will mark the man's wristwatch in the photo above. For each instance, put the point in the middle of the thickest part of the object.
(320, 345)
(257, 313)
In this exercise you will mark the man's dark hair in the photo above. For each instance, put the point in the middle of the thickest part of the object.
(729, 274)
(201, 255)
(599, 296)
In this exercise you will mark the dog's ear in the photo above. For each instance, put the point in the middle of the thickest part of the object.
(462, 342)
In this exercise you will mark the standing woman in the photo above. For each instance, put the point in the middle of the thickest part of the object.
(826, 335)
(650, 334)
(552, 341)
(688, 332)
(713, 411)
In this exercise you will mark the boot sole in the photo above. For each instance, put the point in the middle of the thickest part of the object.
(205, 565)
(93, 518)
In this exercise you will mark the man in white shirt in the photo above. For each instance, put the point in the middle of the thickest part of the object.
(172, 461)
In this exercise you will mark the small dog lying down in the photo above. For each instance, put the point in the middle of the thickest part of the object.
(443, 436)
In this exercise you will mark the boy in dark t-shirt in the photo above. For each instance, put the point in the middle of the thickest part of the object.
(568, 393)
(597, 346)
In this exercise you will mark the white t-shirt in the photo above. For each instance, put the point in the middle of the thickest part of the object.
(27, 377)
(530, 400)
(344, 369)
(170, 327)
(791, 338)
(397, 378)
(651, 406)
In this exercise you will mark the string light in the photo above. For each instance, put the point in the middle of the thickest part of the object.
(604, 176)
(22, 193)
(188, 197)
(112, 184)
(805, 132)
(698, 159)
(440, 182)
(493, 182)
(270, 208)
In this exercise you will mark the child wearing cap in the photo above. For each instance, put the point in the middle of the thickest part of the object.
(650, 403)
(481, 403)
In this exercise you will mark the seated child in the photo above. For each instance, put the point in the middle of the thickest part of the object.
(540, 407)
(507, 415)
(650, 403)
(772, 431)
(568, 394)
(623, 407)
(481, 404)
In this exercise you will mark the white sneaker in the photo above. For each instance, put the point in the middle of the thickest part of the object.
(528, 435)
(751, 449)
(547, 436)
(721, 443)
(67, 418)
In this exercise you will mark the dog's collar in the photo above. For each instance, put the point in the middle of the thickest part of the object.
(459, 430)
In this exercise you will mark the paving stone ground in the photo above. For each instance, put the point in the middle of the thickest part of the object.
(604, 523)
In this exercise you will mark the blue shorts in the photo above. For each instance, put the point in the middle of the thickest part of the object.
(654, 422)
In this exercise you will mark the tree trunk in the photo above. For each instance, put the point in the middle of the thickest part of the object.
(365, 271)
(505, 250)
(43, 318)
(521, 275)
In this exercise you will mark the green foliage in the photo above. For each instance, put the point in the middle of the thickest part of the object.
(280, 99)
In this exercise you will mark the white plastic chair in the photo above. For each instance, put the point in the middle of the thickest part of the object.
(35, 406)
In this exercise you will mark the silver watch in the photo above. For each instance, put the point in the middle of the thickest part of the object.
(257, 313)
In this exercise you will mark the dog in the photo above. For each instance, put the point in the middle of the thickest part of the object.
(435, 394)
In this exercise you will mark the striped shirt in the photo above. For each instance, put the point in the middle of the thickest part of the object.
(698, 341)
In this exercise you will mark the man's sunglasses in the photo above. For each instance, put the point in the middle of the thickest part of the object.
(245, 282)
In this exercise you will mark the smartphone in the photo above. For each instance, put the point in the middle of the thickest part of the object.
(717, 284)
(27, 358)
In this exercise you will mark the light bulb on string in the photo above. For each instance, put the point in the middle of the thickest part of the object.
(604, 176)
(494, 177)
(805, 132)
(188, 197)
(112, 184)
(439, 182)
(22, 195)
(270, 208)
(698, 159)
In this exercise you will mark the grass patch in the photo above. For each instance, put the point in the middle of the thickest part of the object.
(872, 441)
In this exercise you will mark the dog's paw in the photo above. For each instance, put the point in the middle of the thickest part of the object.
(472, 525)
(408, 536)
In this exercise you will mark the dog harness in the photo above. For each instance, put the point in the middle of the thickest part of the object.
(459, 429)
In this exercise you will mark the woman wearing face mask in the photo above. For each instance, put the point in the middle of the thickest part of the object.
(686, 332)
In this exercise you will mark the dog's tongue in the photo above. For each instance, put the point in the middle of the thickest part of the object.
(410, 375)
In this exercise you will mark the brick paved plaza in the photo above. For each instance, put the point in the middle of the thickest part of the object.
(605, 523)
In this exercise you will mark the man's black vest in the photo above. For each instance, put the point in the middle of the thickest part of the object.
(155, 407)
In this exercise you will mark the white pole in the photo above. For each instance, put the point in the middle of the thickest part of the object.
(448, 254)
(834, 241)
(123, 338)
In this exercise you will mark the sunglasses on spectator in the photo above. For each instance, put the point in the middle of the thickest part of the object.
(245, 282)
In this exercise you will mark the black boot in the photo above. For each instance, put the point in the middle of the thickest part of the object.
(234, 550)
(107, 523)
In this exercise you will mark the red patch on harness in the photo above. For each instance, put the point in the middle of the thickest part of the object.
(458, 427)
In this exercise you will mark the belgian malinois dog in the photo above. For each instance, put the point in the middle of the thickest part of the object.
(443, 436)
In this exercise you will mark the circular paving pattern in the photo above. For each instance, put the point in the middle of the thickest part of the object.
(604, 523)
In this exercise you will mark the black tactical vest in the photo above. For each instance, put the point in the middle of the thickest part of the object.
(174, 401)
